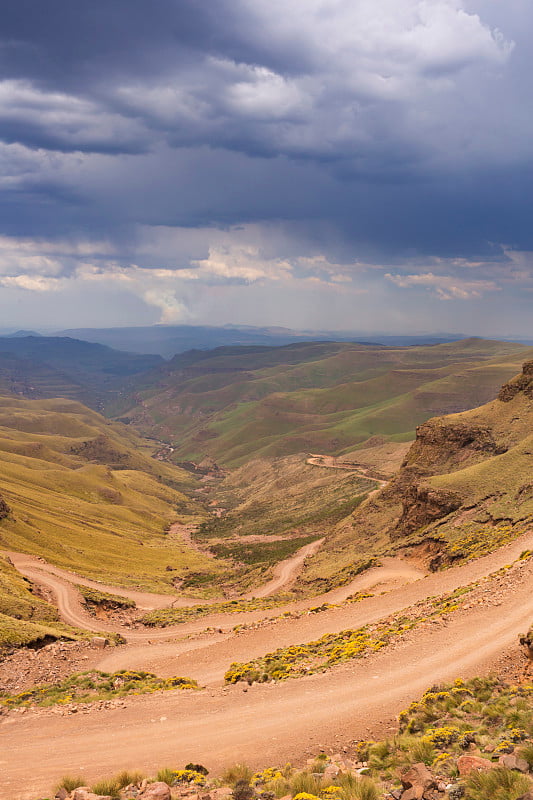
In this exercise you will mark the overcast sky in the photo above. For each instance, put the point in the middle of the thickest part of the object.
(345, 164)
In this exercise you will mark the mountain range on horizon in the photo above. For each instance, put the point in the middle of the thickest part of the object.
(170, 340)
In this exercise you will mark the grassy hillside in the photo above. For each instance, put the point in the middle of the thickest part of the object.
(275, 497)
(83, 493)
(238, 403)
(465, 487)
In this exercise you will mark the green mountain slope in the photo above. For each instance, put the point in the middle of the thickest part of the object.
(237, 403)
(465, 487)
(84, 493)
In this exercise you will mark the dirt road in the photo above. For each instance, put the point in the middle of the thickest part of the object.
(273, 723)
(394, 572)
(332, 462)
(61, 581)
(285, 572)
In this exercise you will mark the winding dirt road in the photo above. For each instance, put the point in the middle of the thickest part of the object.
(286, 572)
(332, 462)
(394, 572)
(272, 723)
(61, 582)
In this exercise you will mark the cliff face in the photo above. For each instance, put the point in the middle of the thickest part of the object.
(522, 383)
(467, 481)
(422, 505)
(443, 443)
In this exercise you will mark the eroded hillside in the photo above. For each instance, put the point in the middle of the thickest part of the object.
(465, 487)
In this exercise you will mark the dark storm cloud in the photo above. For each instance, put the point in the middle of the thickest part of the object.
(62, 43)
(74, 43)
(379, 130)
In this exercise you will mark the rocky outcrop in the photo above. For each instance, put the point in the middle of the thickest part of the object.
(449, 444)
(442, 440)
(155, 791)
(84, 793)
(416, 781)
(522, 383)
(422, 505)
(469, 763)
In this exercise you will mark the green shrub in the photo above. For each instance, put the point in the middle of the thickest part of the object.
(197, 768)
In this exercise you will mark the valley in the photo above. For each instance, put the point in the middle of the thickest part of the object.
(234, 404)
(302, 587)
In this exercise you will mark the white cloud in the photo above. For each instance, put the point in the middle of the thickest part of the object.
(446, 287)
(33, 283)
(237, 257)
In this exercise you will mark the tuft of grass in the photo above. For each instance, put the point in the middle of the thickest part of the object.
(166, 775)
(237, 773)
(526, 753)
(112, 786)
(127, 778)
(306, 782)
(70, 783)
(109, 787)
(359, 788)
(497, 784)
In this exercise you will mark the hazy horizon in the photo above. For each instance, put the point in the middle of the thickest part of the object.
(284, 333)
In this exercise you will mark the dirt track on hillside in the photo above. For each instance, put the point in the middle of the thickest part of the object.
(393, 573)
(332, 462)
(60, 582)
(270, 723)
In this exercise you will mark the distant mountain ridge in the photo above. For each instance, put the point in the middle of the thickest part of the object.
(169, 340)
(44, 366)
